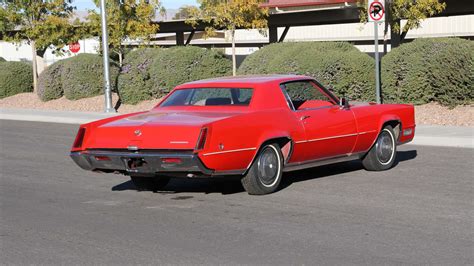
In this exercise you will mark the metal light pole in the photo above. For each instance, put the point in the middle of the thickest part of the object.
(105, 50)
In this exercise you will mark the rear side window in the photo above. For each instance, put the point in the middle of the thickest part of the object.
(209, 97)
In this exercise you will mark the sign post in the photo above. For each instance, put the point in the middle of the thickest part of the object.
(376, 15)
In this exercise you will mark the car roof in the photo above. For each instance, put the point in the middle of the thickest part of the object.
(245, 80)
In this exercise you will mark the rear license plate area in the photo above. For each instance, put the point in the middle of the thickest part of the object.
(137, 165)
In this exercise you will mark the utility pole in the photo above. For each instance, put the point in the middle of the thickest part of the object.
(105, 50)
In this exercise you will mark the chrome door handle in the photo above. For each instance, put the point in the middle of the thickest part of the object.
(304, 117)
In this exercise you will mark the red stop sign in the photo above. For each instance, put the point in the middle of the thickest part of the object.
(74, 47)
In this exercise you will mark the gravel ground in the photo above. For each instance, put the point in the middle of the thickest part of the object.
(427, 114)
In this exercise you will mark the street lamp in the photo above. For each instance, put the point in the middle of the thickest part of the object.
(105, 50)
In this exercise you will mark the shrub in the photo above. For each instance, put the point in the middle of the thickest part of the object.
(152, 73)
(339, 66)
(50, 85)
(184, 64)
(2, 59)
(425, 70)
(82, 76)
(134, 82)
(15, 77)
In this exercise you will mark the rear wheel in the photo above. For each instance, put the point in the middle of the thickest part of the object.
(265, 174)
(382, 155)
(149, 183)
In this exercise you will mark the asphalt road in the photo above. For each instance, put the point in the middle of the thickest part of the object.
(52, 212)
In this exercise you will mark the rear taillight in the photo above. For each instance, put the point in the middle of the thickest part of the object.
(102, 158)
(171, 160)
(202, 139)
(79, 138)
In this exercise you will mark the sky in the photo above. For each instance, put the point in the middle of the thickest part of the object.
(169, 4)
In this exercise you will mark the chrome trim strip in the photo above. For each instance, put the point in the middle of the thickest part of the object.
(367, 132)
(320, 162)
(179, 142)
(335, 137)
(221, 152)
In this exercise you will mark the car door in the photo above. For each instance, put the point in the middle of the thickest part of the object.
(331, 130)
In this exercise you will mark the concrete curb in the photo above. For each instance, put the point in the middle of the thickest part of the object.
(458, 142)
(444, 136)
(426, 135)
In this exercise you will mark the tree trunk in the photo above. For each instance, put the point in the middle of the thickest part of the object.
(40, 64)
(395, 36)
(402, 36)
(35, 66)
(388, 17)
(120, 58)
(234, 60)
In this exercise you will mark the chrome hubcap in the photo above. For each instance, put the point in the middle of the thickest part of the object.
(268, 167)
(384, 147)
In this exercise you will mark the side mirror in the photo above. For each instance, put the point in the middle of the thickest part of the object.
(344, 103)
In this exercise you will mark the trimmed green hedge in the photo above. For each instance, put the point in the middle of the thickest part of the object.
(2, 59)
(337, 65)
(50, 84)
(77, 77)
(15, 77)
(151, 73)
(134, 82)
(82, 76)
(426, 70)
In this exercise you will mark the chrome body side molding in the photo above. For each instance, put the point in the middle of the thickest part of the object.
(314, 163)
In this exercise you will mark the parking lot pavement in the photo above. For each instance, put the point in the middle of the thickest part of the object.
(52, 212)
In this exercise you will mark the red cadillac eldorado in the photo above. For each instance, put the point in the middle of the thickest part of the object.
(255, 127)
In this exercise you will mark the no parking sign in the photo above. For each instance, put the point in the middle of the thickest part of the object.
(376, 10)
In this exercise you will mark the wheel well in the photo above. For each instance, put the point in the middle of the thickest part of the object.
(282, 143)
(396, 125)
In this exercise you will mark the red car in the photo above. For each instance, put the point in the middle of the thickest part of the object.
(255, 127)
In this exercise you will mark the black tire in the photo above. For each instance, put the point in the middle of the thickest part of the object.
(149, 183)
(262, 177)
(383, 153)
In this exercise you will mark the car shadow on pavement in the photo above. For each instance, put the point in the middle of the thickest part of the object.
(206, 186)
(227, 186)
(336, 169)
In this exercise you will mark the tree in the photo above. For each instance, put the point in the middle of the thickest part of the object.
(186, 12)
(230, 15)
(126, 20)
(42, 24)
(414, 12)
(163, 13)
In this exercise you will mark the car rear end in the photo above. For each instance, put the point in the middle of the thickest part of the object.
(166, 140)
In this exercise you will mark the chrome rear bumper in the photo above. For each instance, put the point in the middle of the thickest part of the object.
(142, 162)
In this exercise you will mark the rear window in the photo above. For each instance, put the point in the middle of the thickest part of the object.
(209, 97)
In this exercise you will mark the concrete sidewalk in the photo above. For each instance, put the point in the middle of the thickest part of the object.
(52, 116)
(445, 136)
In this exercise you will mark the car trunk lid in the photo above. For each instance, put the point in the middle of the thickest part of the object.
(154, 130)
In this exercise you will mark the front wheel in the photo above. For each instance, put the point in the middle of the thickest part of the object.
(265, 174)
(382, 155)
(149, 183)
